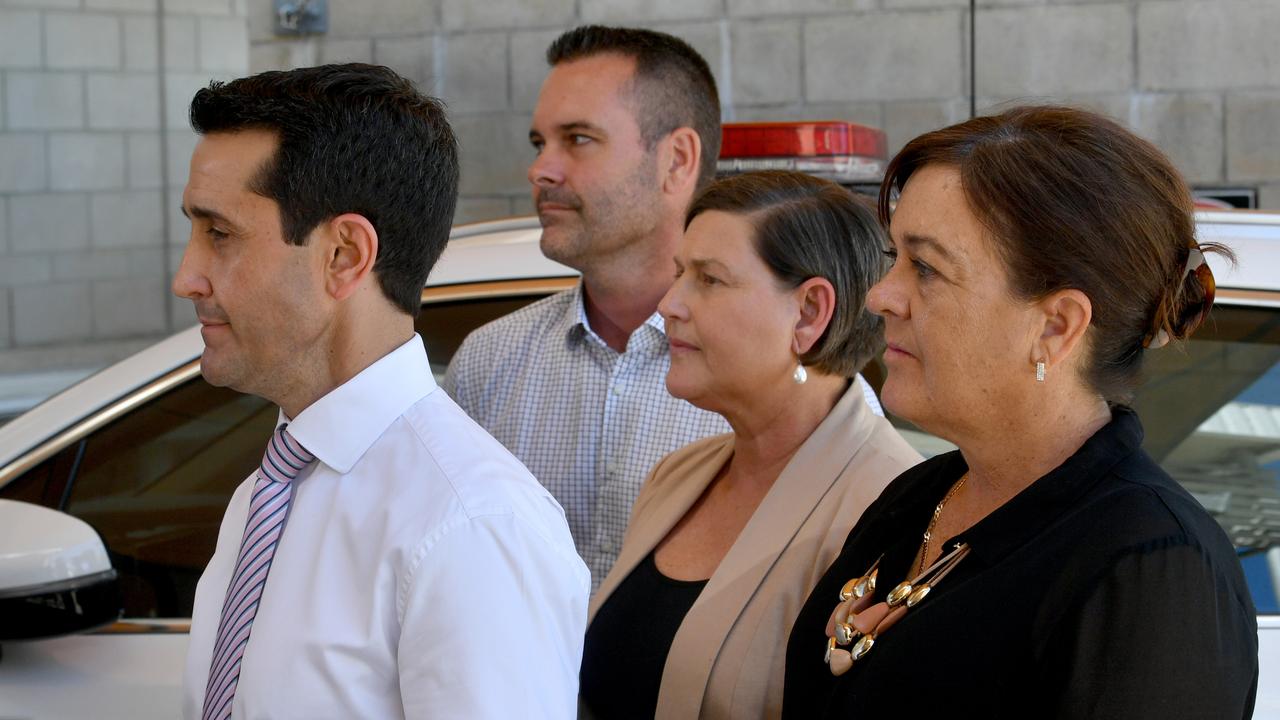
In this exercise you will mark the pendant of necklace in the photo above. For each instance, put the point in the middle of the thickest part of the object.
(858, 620)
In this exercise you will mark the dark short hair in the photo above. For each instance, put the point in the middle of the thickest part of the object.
(806, 227)
(674, 86)
(353, 139)
(1074, 200)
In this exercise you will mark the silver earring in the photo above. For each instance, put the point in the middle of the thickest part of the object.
(1039, 371)
(800, 375)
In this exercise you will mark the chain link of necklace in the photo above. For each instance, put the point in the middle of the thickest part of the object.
(933, 522)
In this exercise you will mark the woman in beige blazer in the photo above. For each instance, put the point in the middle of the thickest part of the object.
(767, 327)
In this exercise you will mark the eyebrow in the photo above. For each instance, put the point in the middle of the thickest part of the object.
(570, 127)
(204, 213)
(703, 263)
(914, 241)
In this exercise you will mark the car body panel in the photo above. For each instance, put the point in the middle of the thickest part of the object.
(1251, 235)
(104, 676)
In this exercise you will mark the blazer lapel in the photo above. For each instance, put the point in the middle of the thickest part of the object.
(805, 480)
(666, 510)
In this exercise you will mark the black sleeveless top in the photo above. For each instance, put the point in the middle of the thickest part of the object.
(628, 641)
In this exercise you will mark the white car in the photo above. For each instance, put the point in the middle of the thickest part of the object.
(147, 454)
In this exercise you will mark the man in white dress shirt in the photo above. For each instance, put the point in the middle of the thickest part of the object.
(626, 130)
(389, 559)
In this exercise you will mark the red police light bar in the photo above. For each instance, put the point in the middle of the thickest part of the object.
(841, 151)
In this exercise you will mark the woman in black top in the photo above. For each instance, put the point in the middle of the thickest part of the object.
(1048, 568)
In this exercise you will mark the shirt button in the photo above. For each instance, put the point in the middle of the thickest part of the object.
(607, 545)
(617, 389)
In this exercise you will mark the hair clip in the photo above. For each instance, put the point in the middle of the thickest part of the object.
(1195, 258)
(1199, 265)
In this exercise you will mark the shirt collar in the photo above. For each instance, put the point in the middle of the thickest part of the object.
(341, 426)
(656, 322)
(577, 326)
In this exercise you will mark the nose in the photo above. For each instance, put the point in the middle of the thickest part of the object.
(547, 168)
(672, 305)
(190, 281)
(886, 298)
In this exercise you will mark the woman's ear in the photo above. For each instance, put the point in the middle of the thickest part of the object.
(817, 301)
(1067, 314)
(352, 253)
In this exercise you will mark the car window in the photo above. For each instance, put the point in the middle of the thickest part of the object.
(1210, 408)
(444, 325)
(155, 482)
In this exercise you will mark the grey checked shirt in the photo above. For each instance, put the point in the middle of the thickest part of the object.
(589, 422)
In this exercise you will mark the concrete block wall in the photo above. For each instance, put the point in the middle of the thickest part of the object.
(94, 146)
(1201, 78)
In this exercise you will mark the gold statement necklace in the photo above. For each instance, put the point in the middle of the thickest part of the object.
(859, 620)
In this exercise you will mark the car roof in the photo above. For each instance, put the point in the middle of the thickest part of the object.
(1254, 237)
(508, 250)
(495, 250)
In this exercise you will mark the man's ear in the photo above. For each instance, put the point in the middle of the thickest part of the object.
(1067, 314)
(352, 253)
(817, 298)
(680, 161)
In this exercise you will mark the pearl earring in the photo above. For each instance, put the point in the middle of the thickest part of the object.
(1039, 371)
(800, 375)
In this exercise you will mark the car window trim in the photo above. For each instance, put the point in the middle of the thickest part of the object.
(145, 626)
(1253, 298)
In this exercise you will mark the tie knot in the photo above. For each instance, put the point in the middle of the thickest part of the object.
(285, 457)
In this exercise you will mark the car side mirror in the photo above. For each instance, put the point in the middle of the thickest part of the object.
(55, 576)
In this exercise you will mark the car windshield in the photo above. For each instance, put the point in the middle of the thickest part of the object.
(1212, 413)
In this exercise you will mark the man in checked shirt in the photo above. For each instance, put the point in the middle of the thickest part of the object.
(626, 130)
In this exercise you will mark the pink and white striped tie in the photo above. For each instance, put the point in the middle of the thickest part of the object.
(268, 510)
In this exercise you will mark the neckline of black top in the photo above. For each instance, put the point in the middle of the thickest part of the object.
(651, 560)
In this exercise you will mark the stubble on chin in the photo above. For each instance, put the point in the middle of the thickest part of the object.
(564, 244)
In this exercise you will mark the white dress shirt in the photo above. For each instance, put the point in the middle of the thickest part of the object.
(588, 421)
(422, 572)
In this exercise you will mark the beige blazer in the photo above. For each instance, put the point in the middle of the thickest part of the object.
(727, 658)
